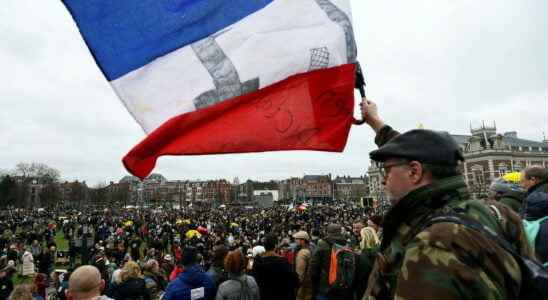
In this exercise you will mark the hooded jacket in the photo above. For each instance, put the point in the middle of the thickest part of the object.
(536, 207)
(320, 262)
(192, 280)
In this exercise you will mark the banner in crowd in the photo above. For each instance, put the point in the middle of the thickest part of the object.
(217, 76)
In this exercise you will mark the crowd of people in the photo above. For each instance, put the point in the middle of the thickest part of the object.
(434, 243)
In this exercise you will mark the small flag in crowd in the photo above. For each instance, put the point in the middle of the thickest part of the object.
(217, 76)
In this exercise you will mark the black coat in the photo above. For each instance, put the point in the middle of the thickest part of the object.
(275, 278)
(131, 289)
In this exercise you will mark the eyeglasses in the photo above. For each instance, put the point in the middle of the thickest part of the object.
(385, 169)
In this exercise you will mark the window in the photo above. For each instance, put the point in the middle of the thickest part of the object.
(502, 171)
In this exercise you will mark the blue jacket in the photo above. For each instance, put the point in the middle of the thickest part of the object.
(192, 280)
(536, 207)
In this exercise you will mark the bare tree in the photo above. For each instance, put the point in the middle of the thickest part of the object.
(38, 171)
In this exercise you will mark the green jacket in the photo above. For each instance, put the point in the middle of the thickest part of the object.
(446, 260)
(513, 199)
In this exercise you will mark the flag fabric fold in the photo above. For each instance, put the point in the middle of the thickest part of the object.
(216, 76)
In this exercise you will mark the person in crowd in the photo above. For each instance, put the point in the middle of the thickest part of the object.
(217, 270)
(135, 248)
(13, 254)
(375, 222)
(193, 283)
(132, 285)
(535, 212)
(22, 292)
(369, 238)
(255, 252)
(36, 248)
(302, 265)
(155, 282)
(85, 283)
(369, 247)
(320, 264)
(444, 260)
(28, 264)
(40, 284)
(274, 274)
(167, 265)
(357, 226)
(239, 285)
(507, 193)
(45, 262)
(100, 261)
(6, 279)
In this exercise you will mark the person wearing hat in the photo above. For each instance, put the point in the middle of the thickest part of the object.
(507, 193)
(535, 210)
(302, 265)
(444, 260)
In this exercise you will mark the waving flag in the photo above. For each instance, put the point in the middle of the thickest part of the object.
(219, 76)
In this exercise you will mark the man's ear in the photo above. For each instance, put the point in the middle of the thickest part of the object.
(68, 294)
(417, 171)
(103, 285)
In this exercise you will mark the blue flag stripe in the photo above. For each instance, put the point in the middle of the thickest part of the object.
(124, 35)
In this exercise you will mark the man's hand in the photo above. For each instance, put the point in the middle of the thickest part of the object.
(370, 115)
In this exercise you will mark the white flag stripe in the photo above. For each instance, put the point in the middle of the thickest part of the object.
(285, 38)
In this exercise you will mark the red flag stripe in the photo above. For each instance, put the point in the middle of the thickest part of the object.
(311, 111)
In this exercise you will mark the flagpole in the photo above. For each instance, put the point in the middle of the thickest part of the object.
(360, 85)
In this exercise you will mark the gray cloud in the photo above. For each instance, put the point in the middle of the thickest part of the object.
(440, 63)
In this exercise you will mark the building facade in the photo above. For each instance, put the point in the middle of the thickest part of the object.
(350, 189)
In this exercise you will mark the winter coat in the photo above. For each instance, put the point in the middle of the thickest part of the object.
(6, 286)
(155, 283)
(192, 280)
(364, 267)
(218, 274)
(131, 289)
(302, 267)
(319, 266)
(242, 287)
(536, 207)
(275, 277)
(28, 264)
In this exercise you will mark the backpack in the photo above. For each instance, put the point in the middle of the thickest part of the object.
(531, 231)
(289, 254)
(342, 269)
(245, 290)
(534, 275)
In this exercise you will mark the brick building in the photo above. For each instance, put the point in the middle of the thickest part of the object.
(315, 188)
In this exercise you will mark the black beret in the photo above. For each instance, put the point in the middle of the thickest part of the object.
(426, 146)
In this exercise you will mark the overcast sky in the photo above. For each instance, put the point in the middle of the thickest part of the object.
(441, 63)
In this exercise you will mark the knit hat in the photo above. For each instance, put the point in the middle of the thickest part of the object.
(301, 235)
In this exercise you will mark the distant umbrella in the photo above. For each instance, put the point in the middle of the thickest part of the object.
(514, 177)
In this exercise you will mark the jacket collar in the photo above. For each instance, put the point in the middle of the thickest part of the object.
(536, 187)
(421, 203)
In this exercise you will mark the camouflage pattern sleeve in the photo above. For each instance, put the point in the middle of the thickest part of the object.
(448, 261)
(385, 134)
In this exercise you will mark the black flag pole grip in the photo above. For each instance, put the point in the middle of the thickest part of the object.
(360, 85)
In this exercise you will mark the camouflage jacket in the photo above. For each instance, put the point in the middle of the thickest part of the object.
(446, 260)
